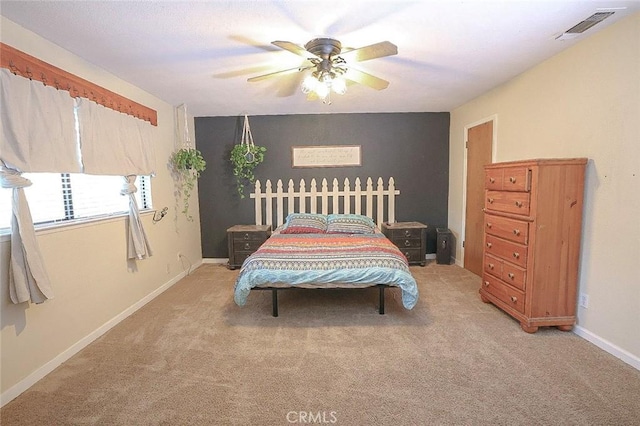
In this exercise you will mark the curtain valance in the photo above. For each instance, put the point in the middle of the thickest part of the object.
(114, 143)
(38, 127)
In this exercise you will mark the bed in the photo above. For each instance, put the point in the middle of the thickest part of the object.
(317, 250)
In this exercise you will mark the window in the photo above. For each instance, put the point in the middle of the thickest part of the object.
(65, 197)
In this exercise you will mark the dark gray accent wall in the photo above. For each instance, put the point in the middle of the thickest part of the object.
(411, 147)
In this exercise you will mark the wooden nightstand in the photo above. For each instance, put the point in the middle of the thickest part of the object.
(244, 240)
(411, 239)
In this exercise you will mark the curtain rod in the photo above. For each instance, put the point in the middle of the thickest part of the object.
(27, 66)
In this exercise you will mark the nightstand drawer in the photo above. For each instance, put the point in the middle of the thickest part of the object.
(413, 255)
(248, 245)
(399, 234)
(405, 243)
(260, 236)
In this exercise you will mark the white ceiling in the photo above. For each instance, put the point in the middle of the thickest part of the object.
(202, 52)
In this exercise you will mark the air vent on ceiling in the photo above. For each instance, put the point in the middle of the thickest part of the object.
(583, 26)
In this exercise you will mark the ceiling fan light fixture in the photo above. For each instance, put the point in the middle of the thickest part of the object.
(322, 90)
(339, 86)
(309, 84)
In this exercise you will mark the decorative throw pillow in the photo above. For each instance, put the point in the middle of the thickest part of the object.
(350, 224)
(305, 223)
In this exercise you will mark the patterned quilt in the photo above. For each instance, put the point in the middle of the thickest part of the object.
(295, 259)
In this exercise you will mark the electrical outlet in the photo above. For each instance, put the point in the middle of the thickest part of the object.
(584, 300)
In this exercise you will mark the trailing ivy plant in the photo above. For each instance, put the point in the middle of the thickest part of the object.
(188, 163)
(245, 158)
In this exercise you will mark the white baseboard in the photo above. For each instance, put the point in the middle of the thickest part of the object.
(214, 260)
(47, 368)
(607, 346)
(430, 256)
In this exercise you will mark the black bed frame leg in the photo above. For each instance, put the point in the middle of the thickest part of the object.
(381, 311)
(274, 301)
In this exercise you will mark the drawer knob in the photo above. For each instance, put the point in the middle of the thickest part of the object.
(514, 299)
(489, 245)
(247, 246)
(407, 233)
(516, 232)
(490, 200)
(512, 179)
(516, 255)
(407, 243)
(491, 266)
(486, 283)
(246, 236)
(492, 180)
(489, 225)
(407, 255)
(519, 204)
(511, 275)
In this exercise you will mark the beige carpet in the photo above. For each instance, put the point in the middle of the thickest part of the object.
(192, 356)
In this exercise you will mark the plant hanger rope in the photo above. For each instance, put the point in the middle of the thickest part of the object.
(186, 142)
(247, 139)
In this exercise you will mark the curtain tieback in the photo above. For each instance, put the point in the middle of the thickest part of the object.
(10, 178)
(128, 187)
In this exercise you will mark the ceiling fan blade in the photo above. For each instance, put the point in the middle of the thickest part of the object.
(294, 48)
(378, 50)
(366, 79)
(274, 74)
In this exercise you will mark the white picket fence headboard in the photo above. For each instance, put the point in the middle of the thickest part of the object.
(271, 209)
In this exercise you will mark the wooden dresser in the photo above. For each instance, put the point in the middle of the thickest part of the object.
(532, 223)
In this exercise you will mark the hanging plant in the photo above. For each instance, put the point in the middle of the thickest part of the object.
(188, 163)
(245, 157)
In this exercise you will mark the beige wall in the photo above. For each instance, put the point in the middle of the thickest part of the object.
(584, 102)
(94, 284)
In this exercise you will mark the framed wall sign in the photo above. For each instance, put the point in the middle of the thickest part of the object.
(326, 156)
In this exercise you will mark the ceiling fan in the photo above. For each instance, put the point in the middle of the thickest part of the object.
(330, 66)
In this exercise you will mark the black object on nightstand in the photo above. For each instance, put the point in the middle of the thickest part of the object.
(244, 240)
(411, 239)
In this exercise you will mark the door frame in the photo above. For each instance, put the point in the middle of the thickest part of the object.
(494, 147)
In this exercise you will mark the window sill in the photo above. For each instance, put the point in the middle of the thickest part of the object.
(50, 228)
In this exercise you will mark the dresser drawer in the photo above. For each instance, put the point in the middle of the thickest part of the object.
(509, 202)
(493, 265)
(506, 250)
(509, 229)
(507, 179)
(514, 275)
(504, 292)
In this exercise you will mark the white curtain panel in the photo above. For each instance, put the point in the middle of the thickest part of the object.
(28, 278)
(38, 128)
(138, 247)
(114, 143)
(38, 135)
